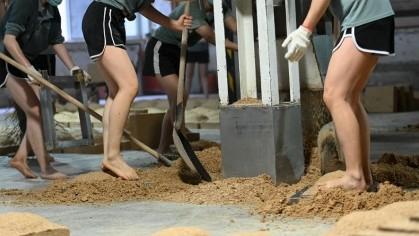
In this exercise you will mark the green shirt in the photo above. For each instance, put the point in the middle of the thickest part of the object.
(130, 7)
(352, 13)
(35, 26)
(200, 17)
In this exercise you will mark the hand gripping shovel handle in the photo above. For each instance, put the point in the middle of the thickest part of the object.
(180, 109)
(81, 106)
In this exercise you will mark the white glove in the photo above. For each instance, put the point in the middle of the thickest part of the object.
(297, 43)
(31, 79)
(86, 77)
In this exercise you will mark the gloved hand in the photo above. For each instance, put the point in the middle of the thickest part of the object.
(297, 43)
(31, 80)
(82, 76)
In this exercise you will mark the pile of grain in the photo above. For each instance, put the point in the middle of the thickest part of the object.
(247, 102)
(162, 183)
(367, 220)
(397, 169)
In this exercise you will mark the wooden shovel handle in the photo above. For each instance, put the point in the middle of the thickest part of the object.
(81, 106)
(182, 65)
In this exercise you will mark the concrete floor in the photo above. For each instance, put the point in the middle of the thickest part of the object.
(145, 218)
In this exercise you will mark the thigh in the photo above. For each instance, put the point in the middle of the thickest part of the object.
(169, 84)
(22, 93)
(203, 69)
(112, 86)
(116, 63)
(347, 68)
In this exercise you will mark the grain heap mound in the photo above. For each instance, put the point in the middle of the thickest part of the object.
(258, 194)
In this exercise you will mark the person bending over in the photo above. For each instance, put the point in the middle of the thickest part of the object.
(104, 33)
(28, 28)
(162, 57)
(367, 32)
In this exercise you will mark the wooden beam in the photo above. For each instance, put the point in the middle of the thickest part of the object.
(267, 53)
(245, 37)
(294, 70)
(221, 52)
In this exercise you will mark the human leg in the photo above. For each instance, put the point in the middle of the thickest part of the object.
(26, 98)
(348, 66)
(118, 70)
(190, 70)
(19, 161)
(203, 74)
(362, 117)
(169, 85)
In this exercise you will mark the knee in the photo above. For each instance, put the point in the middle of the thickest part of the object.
(331, 98)
(33, 111)
(130, 90)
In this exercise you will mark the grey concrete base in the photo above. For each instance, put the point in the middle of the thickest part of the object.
(262, 140)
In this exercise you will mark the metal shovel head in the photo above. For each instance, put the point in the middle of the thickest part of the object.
(297, 196)
(188, 155)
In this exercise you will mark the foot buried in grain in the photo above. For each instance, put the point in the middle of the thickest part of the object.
(119, 168)
(23, 168)
(346, 182)
(53, 174)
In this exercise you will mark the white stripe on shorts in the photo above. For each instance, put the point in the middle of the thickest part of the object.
(352, 35)
(156, 58)
(110, 30)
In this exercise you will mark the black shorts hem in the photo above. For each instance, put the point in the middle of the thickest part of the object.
(161, 59)
(109, 32)
(376, 37)
(198, 57)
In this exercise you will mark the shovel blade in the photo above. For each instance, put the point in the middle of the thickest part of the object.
(179, 116)
(188, 155)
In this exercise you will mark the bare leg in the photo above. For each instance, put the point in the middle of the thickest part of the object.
(362, 117)
(118, 69)
(203, 74)
(26, 98)
(112, 89)
(190, 69)
(347, 69)
(50, 159)
(19, 161)
(169, 85)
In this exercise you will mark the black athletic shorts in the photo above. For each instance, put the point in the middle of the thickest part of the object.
(376, 37)
(198, 57)
(161, 58)
(103, 25)
(40, 63)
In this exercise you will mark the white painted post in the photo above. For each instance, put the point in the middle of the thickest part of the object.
(221, 52)
(267, 53)
(246, 42)
(294, 71)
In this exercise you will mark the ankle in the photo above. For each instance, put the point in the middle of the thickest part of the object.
(18, 158)
(356, 176)
(112, 157)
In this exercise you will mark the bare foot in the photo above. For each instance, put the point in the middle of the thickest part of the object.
(23, 168)
(347, 182)
(53, 174)
(119, 168)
